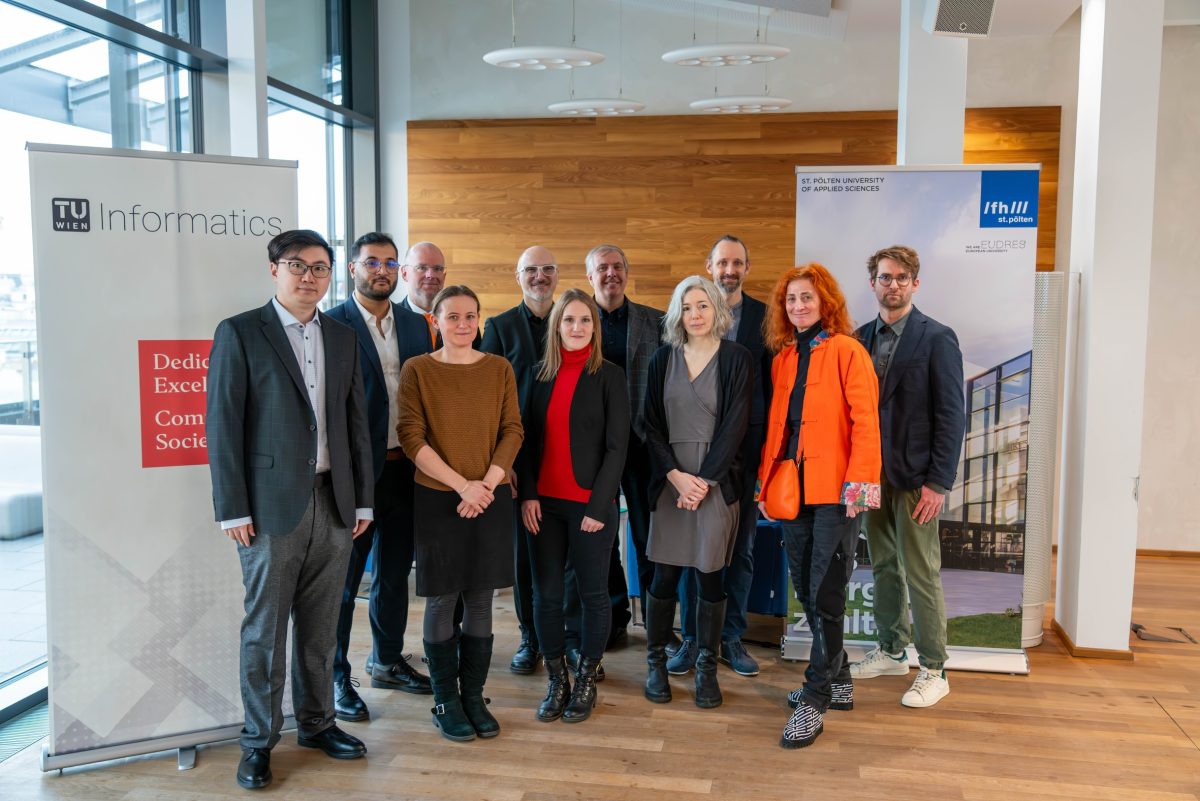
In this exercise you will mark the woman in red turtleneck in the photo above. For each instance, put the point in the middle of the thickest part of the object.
(569, 473)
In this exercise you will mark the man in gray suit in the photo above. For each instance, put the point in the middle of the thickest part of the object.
(631, 333)
(290, 454)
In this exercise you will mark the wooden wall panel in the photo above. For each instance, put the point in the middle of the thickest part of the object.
(663, 188)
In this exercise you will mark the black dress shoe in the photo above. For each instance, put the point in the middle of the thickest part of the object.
(400, 676)
(525, 660)
(254, 771)
(618, 636)
(335, 743)
(346, 703)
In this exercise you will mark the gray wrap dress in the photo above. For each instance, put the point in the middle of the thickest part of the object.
(702, 539)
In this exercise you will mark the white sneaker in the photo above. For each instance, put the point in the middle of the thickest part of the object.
(879, 662)
(927, 690)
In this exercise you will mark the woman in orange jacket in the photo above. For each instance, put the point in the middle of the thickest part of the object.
(823, 423)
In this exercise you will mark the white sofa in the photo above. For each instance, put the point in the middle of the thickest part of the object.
(20, 481)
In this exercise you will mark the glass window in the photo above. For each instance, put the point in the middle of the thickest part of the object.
(319, 147)
(165, 16)
(304, 45)
(1022, 362)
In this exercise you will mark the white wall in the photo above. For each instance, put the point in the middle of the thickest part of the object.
(1170, 485)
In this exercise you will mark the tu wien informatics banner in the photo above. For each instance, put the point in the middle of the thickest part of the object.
(137, 257)
(975, 230)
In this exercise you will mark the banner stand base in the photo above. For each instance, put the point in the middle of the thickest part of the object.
(185, 744)
(982, 660)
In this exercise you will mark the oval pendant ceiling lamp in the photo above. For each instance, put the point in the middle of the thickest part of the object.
(724, 54)
(734, 104)
(541, 57)
(601, 106)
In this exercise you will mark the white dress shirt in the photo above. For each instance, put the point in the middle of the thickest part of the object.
(383, 334)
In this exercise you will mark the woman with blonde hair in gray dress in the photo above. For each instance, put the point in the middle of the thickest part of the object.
(698, 396)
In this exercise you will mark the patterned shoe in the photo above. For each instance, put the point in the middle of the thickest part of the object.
(843, 696)
(804, 727)
(880, 663)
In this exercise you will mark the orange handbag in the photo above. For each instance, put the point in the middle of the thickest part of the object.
(780, 493)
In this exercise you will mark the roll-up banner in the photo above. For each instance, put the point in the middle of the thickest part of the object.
(975, 230)
(137, 257)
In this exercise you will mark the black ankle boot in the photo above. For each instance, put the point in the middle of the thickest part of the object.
(660, 617)
(583, 695)
(558, 688)
(448, 714)
(710, 619)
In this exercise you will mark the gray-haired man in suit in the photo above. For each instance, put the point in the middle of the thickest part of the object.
(631, 333)
(290, 454)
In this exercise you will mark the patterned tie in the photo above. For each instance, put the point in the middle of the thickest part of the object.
(432, 330)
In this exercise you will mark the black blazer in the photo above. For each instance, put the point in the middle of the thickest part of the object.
(599, 436)
(723, 464)
(508, 335)
(921, 409)
(412, 339)
(261, 428)
(750, 337)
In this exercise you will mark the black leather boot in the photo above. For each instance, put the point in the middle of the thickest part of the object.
(583, 695)
(558, 688)
(475, 658)
(660, 617)
(710, 619)
(448, 714)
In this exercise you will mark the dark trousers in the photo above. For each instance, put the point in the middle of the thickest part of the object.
(740, 574)
(560, 539)
(294, 576)
(390, 538)
(523, 579)
(635, 484)
(820, 551)
(667, 578)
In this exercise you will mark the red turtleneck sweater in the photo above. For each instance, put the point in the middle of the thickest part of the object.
(556, 479)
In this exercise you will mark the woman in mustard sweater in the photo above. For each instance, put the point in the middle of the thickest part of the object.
(823, 423)
(460, 423)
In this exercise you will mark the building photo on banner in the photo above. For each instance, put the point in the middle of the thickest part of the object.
(143, 597)
(975, 232)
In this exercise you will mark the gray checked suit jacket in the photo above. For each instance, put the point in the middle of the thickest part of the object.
(261, 428)
(644, 337)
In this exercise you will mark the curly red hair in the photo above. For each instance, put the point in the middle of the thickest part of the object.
(778, 331)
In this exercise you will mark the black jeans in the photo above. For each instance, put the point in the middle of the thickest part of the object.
(559, 538)
(391, 539)
(523, 579)
(666, 579)
(820, 551)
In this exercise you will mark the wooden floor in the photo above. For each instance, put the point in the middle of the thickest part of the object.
(1072, 729)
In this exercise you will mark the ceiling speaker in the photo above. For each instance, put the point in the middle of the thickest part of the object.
(972, 18)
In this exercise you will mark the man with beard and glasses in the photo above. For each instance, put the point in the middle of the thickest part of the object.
(921, 420)
(630, 333)
(519, 335)
(387, 336)
(729, 263)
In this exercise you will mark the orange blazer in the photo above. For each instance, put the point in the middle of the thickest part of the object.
(840, 443)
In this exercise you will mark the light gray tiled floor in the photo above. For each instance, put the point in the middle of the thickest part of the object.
(22, 604)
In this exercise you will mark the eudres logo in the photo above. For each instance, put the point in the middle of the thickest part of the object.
(1008, 199)
(71, 214)
(75, 214)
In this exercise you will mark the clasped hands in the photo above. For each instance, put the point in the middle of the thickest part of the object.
(476, 496)
(690, 489)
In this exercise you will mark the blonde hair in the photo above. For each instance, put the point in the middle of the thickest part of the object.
(674, 333)
(552, 357)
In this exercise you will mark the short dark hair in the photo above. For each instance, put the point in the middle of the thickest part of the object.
(729, 238)
(289, 242)
(453, 291)
(903, 255)
(372, 238)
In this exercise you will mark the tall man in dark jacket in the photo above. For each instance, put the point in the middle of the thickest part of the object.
(387, 337)
(729, 263)
(921, 420)
(519, 335)
(290, 456)
(630, 333)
